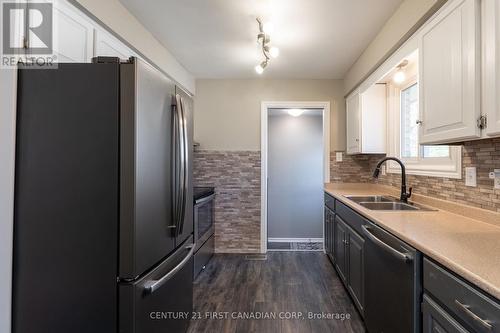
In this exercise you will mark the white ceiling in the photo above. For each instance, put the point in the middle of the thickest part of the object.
(318, 39)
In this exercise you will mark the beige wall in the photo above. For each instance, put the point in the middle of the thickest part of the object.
(113, 14)
(227, 112)
(404, 21)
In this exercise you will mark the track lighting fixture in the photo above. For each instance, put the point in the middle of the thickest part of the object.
(264, 39)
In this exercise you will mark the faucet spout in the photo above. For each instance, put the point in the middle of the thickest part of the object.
(404, 194)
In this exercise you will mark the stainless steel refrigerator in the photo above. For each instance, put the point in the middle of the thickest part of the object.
(103, 226)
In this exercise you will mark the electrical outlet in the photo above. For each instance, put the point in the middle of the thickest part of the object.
(338, 156)
(382, 168)
(470, 176)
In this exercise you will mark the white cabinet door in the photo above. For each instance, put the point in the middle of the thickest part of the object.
(449, 65)
(353, 113)
(110, 46)
(73, 34)
(374, 120)
(491, 65)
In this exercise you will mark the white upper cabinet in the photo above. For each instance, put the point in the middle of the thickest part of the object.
(353, 110)
(491, 66)
(449, 74)
(73, 34)
(374, 119)
(109, 46)
(366, 121)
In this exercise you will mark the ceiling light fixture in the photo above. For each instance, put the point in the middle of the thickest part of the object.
(264, 39)
(295, 112)
(400, 76)
(260, 67)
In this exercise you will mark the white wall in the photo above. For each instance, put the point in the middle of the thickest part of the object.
(227, 112)
(117, 18)
(295, 176)
(7, 140)
(409, 16)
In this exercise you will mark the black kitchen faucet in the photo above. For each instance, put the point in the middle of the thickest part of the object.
(404, 195)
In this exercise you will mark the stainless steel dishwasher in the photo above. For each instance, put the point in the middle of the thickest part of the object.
(392, 283)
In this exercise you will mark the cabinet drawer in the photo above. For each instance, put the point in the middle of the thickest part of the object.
(436, 320)
(474, 308)
(329, 202)
(353, 219)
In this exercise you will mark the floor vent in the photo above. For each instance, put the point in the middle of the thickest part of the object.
(295, 246)
(256, 257)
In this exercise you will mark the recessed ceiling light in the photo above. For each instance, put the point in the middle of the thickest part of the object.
(295, 112)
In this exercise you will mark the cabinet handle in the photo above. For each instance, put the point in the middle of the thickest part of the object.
(419, 122)
(466, 310)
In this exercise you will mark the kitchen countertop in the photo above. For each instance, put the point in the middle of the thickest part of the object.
(469, 247)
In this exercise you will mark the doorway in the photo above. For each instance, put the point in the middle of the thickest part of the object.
(295, 166)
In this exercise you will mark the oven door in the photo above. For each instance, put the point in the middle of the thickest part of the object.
(203, 220)
(162, 300)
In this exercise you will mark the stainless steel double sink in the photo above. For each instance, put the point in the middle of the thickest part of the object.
(385, 202)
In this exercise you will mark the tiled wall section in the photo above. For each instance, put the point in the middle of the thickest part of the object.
(483, 154)
(236, 178)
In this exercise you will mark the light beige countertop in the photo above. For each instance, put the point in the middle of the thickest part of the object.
(464, 239)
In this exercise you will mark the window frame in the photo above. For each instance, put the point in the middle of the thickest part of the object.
(448, 167)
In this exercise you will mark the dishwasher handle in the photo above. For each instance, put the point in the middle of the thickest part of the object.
(406, 257)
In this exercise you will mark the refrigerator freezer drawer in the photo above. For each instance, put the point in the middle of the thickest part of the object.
(162, 300)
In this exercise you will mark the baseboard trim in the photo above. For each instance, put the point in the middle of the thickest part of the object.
(295, 240)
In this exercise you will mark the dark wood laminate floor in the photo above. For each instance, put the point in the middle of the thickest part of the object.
(285, 283)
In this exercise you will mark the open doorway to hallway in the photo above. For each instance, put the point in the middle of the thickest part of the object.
(295, 160)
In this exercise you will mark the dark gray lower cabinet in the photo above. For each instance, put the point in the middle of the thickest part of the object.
(472, 308)
(340, 248)
(349, 260)
(436, 320)
(329, 232)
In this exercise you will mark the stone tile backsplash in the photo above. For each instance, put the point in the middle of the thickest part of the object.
(482, 154)
(236, 178)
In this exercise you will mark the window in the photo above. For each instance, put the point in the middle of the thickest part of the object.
(409, 128)
(409, 117)
(439, 161)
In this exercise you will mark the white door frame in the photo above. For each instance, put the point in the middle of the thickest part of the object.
(264, 114)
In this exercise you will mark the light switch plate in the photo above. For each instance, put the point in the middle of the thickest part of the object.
(470, 176)
(383, 169)
(338, 156)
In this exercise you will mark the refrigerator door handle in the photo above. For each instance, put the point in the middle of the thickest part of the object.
(175, 165)
(153, 285)
(184, 163)
(178, 168)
